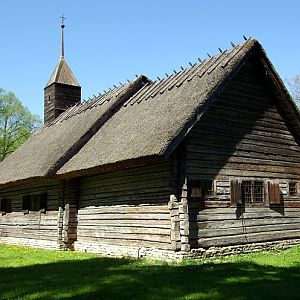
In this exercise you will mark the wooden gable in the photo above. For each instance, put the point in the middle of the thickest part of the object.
(244, 133)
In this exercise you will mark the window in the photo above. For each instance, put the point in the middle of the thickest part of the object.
(35, 203)
(252, 191)
(293, 189)
(201, 188)
(5, 206)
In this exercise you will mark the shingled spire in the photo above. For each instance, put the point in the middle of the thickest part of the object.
(62, 90)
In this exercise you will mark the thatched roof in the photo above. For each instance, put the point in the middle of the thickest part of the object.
(139, 120)
(49, 148)
(154, 120)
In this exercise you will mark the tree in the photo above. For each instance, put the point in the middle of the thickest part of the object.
(294, 87)
(17, 124)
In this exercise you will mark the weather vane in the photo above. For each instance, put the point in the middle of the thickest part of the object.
(62, 21)
(62, 54)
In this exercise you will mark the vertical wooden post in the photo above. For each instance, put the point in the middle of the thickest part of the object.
(69, 231)
(60, 227)
(174, 206)
(60, 216)
(182, 187)
(184, 217)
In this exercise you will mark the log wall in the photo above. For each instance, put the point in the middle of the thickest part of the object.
(243, 136)
(33, 228)
(128, 207)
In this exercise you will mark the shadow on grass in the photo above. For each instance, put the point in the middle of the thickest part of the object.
(104, 278)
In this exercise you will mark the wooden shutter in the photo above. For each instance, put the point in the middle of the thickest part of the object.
(235, 192)
(26, 204)
(8, 205)
(3, 206)
(43, 202)
(274, 193)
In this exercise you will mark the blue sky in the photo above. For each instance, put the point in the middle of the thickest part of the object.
(107, 42)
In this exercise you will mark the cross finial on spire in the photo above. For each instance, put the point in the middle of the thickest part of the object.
(62, 53)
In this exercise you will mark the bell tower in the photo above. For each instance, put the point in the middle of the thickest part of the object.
(62, 90)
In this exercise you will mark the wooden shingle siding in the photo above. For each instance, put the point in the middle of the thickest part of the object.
(243, 136)
(128, 207)
(34, 225)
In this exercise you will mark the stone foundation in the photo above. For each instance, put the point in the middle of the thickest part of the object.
(44, 244)
(241, 249)
(122, 251)
(152, 253)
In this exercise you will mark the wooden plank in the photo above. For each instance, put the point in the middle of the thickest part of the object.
(149, 216)
(124, 209)
(251, 158)
(193, 164)
(249, 238)
(132, 243)
(225, 173)
(148, 170)
(86, 230)
(126, 238)
(126, 223)
(132, 178)
(203, 233)
(236, 223)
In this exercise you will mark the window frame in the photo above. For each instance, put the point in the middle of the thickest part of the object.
(253, 201)
(197, 184)
(236, 192)
(289, 189)
(35, 203)
(5, 208)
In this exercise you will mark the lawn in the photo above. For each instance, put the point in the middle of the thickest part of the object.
(39, 274)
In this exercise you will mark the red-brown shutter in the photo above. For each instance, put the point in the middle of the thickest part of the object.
(274, 193)
(235, 192)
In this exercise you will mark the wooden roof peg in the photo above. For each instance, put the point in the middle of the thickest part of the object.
(245, 38)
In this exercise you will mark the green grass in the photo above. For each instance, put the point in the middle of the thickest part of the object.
(39, 274)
